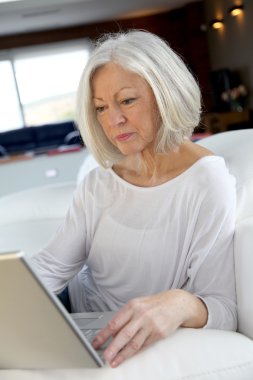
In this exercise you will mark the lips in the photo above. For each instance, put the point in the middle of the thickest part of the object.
(124, 136)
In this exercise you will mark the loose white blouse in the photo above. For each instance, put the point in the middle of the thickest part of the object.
(120, 241)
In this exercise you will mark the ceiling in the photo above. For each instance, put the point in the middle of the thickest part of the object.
(37, 15)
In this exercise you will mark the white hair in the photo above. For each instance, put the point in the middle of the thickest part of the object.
(176, 91)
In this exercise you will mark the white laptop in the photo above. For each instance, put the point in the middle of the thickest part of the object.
(36, 331)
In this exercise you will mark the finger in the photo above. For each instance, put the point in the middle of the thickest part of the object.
(101, 338)
(113, 327)
(150, 340)
(123, 316)
(133, 346)
(154, 337)
(121, 340)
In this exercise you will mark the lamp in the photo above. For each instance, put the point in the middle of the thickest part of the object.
(235, 10)
(217, 23)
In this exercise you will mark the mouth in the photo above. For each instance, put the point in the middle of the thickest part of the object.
(124, 136)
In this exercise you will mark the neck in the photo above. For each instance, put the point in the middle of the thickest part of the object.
(148, 167)
(152, 163)
(148, 163)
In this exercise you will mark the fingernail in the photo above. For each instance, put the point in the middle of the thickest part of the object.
(109, 355)
(95, 343)
(116, 362)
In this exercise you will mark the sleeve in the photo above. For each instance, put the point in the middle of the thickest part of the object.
(66, 252)
(211, 275)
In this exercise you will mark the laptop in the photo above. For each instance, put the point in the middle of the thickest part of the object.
(36, 330)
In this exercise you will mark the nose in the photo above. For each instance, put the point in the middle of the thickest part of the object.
(115, 116)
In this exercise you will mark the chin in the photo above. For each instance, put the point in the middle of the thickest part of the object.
(131, 149)
(130, 152)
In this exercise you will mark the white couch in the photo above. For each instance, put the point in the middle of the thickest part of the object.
(188, 354)
(30, 217)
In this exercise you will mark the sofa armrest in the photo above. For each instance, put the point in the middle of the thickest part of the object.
(244, 276)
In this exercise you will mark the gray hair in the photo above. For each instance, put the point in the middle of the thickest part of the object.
(176, 91)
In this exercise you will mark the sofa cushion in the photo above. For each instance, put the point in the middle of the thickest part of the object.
(52, 135)
(18, 140)
(29, 218)
(188, 354)
(28, 237)
(40, 138)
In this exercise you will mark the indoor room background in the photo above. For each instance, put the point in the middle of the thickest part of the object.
(41, 60)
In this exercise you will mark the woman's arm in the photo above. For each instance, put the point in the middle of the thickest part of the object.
(64, 254)
(145, 320)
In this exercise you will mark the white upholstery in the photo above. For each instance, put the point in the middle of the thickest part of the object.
(237, 149)
(29, 218)
(188, 354)
(244, 275)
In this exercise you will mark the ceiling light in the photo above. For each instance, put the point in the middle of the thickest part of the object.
(236, 10)
(217, 23)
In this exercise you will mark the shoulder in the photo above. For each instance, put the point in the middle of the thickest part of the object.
(99, 186)
(96, 177)
(213, 183)
(213, 171)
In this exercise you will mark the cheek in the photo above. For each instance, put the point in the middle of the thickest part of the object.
(102, 123)
(151, 124)
(105, 128)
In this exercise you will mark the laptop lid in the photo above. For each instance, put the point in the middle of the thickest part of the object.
(35, 329)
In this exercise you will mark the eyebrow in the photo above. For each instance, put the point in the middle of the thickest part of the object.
(121, 89)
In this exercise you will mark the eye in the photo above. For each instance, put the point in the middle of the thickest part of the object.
(128, 101)
(99, 109)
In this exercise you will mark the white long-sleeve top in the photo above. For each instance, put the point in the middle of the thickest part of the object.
(139, 241)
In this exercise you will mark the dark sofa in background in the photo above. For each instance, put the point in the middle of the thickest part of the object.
(39, 139)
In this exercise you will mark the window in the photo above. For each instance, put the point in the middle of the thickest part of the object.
(42, 84)
(10, 113)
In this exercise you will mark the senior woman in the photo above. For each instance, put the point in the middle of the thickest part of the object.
(149, 233)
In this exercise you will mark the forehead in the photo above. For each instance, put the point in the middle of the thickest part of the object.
(112, 76)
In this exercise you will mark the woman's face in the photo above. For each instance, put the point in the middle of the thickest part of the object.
(126, 108)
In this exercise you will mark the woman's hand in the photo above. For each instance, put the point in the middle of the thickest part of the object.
(145, 320)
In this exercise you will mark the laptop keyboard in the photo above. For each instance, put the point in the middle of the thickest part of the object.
(90, 324)
(90, 334)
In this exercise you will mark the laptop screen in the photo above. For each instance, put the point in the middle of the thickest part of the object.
(36, 331)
